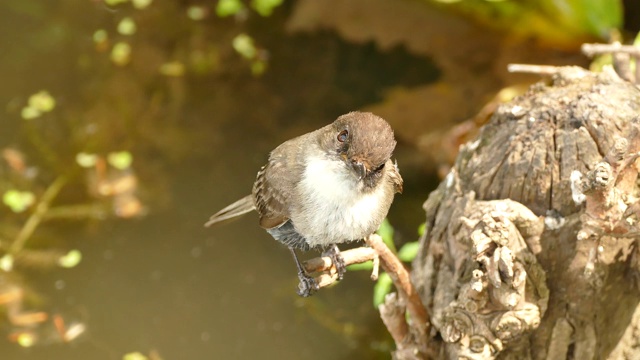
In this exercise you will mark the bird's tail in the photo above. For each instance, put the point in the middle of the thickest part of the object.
(236, 209)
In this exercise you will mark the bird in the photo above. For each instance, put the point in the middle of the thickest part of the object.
(327, 187)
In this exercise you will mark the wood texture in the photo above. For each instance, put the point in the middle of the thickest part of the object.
(531, 243)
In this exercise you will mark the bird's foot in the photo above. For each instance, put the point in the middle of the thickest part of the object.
(336, 258)
(307, 286)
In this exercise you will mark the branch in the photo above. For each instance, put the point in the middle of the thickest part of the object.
(352, 256)
(533, 69)
(621, 55)
(392, 313)
(37, 216)
(394, 267)
(325, 266)
(599, 49)
(378, 252)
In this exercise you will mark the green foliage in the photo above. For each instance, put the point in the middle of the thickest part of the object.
(196, 12)
(138, 4)
(120, 160)
(243, 45)
(141, 4)
(121, 53)
(127, 26)
(38, 104)
(18, 201)
(386, 233)
(229, 7)
(409, 251)
(70, 259)
(556, 21)
(115, 2)
(86, 160)
(265, 7)
(100, 36)
(381, 289)
(359, 267)
(6, 262)
(173, 68)
(134, 356)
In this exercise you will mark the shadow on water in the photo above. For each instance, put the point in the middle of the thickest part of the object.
(163, 282)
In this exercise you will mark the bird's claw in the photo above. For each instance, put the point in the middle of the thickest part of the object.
(307, 286)
(338, 261)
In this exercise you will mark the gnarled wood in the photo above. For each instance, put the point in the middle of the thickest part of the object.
(531, 240)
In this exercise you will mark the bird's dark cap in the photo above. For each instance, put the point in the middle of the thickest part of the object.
(371, 139)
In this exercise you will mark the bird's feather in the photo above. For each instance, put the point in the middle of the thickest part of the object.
(273, 187)
(236, 209)
(394, 175)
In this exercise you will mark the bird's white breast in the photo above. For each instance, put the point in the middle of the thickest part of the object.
(334, 208)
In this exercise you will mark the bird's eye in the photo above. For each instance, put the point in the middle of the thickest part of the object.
(343, 135)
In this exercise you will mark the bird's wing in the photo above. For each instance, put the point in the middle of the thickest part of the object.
(273, 189)
(395, 177)
(236, 209)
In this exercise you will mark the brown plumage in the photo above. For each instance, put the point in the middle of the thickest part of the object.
(329, 186)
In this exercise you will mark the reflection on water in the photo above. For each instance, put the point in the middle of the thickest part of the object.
(161, 283)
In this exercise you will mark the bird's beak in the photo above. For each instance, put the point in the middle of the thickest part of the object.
(360, 169)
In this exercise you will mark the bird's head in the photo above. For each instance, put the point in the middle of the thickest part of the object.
(364, 142)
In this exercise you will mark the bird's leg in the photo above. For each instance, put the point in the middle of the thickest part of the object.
(336, 258)
(308, 285)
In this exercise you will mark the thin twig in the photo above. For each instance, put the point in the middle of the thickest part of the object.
(36, 217)
(376, 267)
(533, 69)
(351, 256)
(599, 49)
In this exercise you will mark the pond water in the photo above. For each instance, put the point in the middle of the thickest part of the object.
(162, 283)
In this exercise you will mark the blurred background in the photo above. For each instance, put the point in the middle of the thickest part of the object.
(127, 123)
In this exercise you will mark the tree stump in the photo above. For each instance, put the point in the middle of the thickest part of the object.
(531, 243)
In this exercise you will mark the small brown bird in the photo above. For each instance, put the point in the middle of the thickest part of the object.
(327, 187)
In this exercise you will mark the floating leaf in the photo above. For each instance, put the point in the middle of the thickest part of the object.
(6, 262)
(134, 356)
(174, 68)
(115, 2)
(228, 7)
(42, 101)
(141, 4)
(127, 26)
(409, 251)
(121, 53)
(86, 160)
(26, 339)
(265, 7)
(29, 113)
(100, 36)
(71, 259)
(258, 67)
(196, 12)
(120, 160)
(18, 201)
(243, 44)
(381, 289)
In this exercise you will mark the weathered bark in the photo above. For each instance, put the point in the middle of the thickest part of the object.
(531, 243)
